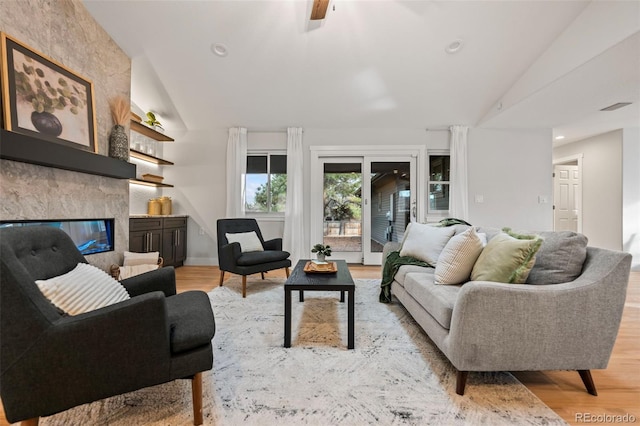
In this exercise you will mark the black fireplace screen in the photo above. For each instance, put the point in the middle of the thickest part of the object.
(90, 235)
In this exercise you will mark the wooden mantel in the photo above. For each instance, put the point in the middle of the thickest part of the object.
(27, 149)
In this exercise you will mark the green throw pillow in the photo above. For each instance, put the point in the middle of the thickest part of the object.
(507, 258)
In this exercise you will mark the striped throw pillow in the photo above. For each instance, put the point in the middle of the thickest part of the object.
(458, 257)
(83, 289)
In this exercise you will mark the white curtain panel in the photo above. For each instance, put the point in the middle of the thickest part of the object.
(293, 237)
(459, 201)
(236, 170)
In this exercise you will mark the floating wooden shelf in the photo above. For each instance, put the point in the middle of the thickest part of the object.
(150, 158)
(150, 183)
(149, 132)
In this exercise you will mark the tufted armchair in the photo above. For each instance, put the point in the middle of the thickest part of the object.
(232, 259)
(50, 361)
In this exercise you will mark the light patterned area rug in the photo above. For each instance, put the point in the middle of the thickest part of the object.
(394, 376)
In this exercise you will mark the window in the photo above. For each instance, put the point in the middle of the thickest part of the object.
(266, 183)
(439, 184)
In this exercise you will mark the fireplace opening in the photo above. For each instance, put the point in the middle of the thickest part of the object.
(89, 235)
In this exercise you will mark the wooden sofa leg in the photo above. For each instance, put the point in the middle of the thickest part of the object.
(30, 422)
(585, 375)
(461, 381)
(262, 275)
(196, 391)
(244, 286)
(286, 271)
(221, 278)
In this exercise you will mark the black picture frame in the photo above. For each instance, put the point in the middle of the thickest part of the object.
(44, 99)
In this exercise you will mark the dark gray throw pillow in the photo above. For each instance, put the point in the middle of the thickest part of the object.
(559, 259)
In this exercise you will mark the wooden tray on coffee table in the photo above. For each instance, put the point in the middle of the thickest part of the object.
(320, 268)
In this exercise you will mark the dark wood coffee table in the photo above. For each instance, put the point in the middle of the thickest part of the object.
(338, 281)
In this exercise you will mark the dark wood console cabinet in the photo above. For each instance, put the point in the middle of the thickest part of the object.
(165, 234)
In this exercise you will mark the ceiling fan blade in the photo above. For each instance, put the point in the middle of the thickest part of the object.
(319, 9)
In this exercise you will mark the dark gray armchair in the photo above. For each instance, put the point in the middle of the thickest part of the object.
(50, 362)
(231, 259)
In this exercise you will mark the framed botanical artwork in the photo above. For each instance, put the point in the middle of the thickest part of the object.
(45, 99)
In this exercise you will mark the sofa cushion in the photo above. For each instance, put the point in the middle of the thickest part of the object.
(437, 300)
(407, 269)
(458, 257)
(190, 320)
(560, 258)
(83, 289)
(425, 242)
(507, 258)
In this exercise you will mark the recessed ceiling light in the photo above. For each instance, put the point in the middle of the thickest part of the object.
(454, 46)
(559, 137)
(219, 49)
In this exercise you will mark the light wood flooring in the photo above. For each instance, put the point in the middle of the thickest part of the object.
(618, 386)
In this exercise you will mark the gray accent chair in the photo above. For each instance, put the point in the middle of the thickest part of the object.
(231, 259)
(50, 361)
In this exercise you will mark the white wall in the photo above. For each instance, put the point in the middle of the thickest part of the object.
(199, 179)
(601, 187)
(510, 169)
(631, 194)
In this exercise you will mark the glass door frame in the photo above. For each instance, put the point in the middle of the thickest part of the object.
(372, 153)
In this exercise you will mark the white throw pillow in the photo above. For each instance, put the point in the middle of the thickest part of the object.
(131, 258)
(458, 257)
(425, 242)
(130, 271)
(249, 241)
(83, 289)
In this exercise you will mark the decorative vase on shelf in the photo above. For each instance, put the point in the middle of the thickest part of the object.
(118, 143)
(118, 140)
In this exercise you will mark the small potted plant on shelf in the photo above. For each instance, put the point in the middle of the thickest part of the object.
(321, 251)
(152, 122)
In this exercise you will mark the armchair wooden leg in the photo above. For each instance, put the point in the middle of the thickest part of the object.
(585, 375)
(244, 286)
(461, 381)
(196, 393)
(221, 278)
(286, 270)
(262, 274)
(30, 422)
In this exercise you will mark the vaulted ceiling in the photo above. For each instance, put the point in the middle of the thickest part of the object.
(372, 64)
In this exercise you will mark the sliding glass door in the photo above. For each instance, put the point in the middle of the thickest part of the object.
(366, 202)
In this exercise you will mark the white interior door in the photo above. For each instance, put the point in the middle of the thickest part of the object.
(566, 197)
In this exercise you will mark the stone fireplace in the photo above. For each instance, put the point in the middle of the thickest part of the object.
(66, 32)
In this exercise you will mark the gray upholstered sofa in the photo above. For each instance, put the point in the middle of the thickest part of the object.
(494, 326)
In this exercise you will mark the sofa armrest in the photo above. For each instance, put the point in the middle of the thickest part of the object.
(570, 326)
(90, 356)
(274, 244)
(163, 279)
(388, 248)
